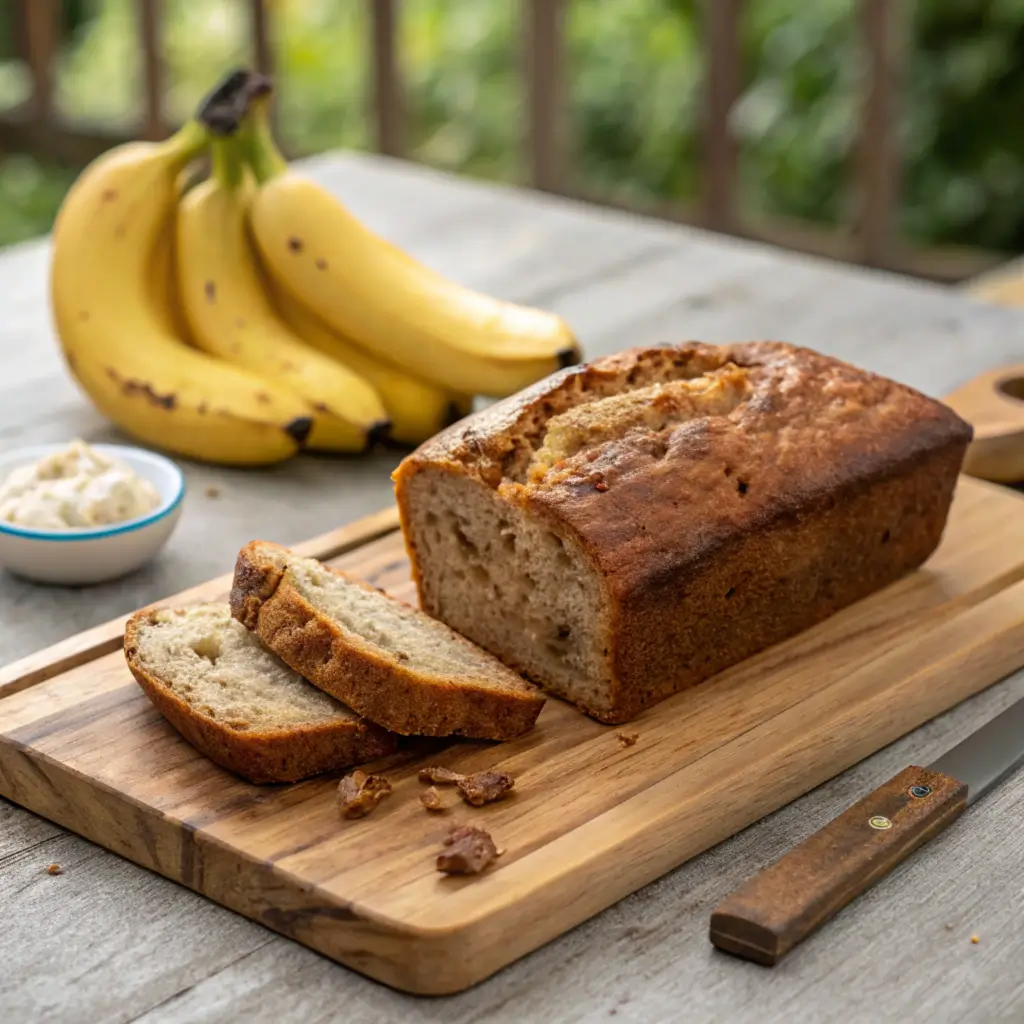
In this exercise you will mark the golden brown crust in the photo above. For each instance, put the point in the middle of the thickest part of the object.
(393, 695)
(724, 533)
(261, 756)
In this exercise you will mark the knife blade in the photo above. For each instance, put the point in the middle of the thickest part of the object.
(778, 908)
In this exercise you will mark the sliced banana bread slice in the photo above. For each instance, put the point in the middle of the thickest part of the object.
(237, 703)
(389, 661)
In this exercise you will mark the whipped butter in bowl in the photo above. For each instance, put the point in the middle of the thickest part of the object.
(78, 513)
(73, 488)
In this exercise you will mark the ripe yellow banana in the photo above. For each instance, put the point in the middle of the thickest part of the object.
(116, 338)
(163, 285)
(230, 316)
(417, 409)
(382, 299)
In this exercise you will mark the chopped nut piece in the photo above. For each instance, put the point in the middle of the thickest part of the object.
(359, 793)
(974, 939)
(442, 776)
(470, 851)
(431, 799)
(55, 869)
(628, 739)
(485, 787)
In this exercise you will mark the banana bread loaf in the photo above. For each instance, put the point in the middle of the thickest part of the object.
(625, 529)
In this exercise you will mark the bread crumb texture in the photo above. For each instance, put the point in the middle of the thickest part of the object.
(469, 850)
(431, 800)
(220, 669)
(485, 787)
(359, 793)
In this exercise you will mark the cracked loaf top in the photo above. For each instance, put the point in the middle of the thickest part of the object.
(656, 456)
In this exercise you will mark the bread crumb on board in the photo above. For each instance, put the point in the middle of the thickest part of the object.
(212, 492)
(431, 799)
(628, 739)
(441, 776)
(470, 850)
(975, 939)
(485, 787)
(55, 869)
(477, 789)
(359, 793)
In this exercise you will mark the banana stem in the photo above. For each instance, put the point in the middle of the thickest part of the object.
(228, 163)
(257, 141)
(187, 142)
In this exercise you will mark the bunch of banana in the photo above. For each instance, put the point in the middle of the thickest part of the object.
(250, 315)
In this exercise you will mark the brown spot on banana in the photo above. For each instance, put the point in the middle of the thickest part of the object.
(169, 401)
(321, 264)
(141, 387)
(210, 291)
(84, 315)
(108, 195)
(263, 398)
(295, 244)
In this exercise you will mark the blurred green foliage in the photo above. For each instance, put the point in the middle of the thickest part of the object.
(635, 72)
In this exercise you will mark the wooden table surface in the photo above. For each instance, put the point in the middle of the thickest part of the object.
(107, 941)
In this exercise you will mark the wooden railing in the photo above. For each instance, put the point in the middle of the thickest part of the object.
(872, 239)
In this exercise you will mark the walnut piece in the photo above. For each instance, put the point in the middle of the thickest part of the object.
(359, 793)
(485, 787)
(469, 851)
(628, 739)
(442, 776)
(431, 799)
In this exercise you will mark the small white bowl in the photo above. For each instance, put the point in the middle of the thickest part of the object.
(98, 553)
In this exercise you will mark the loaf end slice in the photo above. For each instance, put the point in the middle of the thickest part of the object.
(237, 703)
(389, 661)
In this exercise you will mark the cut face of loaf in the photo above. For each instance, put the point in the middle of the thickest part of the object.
(239, 704)
(628, 528)
(394, 665)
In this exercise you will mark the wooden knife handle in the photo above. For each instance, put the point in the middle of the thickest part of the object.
(765, 918)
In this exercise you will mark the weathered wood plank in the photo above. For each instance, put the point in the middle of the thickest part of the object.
(885, 33)
(723, 82)
(387, 106)
(20, 830)
(150, 15)
(718, 291)
(547, 96)
(61, 966)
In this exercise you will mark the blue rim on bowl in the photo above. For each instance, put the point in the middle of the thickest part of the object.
(165, 508)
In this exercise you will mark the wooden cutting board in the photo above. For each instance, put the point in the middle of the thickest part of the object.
(591, 821)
